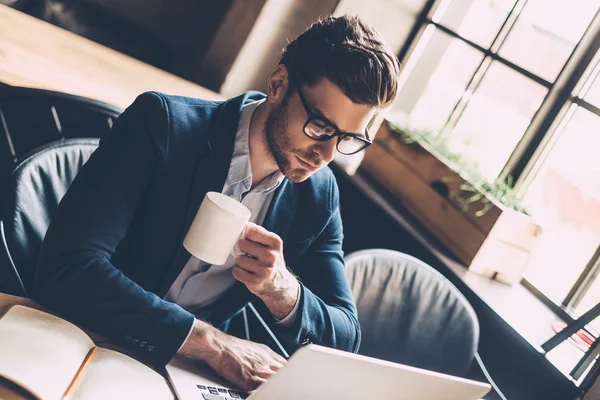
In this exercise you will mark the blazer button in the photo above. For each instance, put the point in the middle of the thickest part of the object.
(127, 337)
(149, 348)
(134, 341)
(142, 343)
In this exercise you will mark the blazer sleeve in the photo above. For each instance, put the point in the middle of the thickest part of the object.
(327, 314)
(74, 274)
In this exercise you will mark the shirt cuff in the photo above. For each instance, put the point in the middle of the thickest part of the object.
(289, 319)
(187, 337)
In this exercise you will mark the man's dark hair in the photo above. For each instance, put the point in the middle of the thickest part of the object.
(350, 54)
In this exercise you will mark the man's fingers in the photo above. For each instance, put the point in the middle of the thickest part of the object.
(242, 275)
(274, 356)
(280, 359)
(249, 264)
(258, 234)
(276, 366)
(253, 383)
(266, 373)
(252, 248)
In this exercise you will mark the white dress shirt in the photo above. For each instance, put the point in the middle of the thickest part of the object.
(200, 284)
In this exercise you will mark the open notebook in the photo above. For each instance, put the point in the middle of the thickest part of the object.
(50, 358)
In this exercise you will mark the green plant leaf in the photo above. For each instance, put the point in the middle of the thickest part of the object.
(502, 189)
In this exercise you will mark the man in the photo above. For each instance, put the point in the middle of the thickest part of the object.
(113, 259)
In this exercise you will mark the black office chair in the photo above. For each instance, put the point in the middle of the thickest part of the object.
(411, 314)
(33, 192)
(31, 119)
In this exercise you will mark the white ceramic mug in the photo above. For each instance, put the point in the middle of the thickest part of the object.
(216, 228)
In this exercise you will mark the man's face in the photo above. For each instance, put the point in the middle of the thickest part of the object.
(297, 155)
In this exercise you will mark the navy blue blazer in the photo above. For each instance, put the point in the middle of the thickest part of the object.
(114, 246)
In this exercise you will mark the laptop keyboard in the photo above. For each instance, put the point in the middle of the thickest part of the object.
(218, 393)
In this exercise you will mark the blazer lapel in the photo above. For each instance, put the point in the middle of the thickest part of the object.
(210, 173)
(282, 209)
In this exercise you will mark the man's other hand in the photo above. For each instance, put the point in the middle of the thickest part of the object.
(243, 363)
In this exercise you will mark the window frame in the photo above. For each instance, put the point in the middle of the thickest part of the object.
(522, 163)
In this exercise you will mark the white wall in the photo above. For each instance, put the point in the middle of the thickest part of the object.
(393, 19)
(278, 22)
(281, 21)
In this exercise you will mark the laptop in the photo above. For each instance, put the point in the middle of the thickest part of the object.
(320, 373)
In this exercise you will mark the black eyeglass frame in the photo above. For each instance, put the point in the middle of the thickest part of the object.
(338, 133)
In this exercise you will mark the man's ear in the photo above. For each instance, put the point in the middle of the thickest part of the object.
(278, 84)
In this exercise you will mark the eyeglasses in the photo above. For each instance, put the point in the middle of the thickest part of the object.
(319, 128)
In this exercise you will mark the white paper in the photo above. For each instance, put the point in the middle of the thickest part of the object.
(41, 352)
(113, 375)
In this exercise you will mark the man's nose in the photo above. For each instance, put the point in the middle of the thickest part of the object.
(326, 150)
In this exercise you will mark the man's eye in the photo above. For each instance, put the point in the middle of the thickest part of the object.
(319, 123)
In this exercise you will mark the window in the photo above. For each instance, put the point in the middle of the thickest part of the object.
(482, 68)
(513, 86)
(545, 34)
(563, 191)
(495, 118)
(438, 79)
(565, 196)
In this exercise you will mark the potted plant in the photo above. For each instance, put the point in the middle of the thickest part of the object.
(475, 219)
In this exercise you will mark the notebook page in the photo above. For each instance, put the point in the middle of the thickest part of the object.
(40, 352)
(112, 375)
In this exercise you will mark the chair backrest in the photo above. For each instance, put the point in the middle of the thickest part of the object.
(411, 314)
(32, 118)
(33, 192)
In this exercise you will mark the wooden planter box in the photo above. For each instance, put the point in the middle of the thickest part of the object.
(422, 182)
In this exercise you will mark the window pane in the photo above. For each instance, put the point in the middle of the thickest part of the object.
(565, 197)
(546, 33)
(437, 81)
(476, 20)
(495, 119)
(591, 298)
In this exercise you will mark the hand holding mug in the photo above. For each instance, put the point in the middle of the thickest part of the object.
(262, 268)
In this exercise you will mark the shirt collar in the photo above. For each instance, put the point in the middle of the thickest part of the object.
(240, 170)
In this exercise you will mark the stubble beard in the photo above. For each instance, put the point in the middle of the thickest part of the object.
(277, 141)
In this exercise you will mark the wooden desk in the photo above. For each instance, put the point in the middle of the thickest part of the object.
(36, 54)
(8, 390)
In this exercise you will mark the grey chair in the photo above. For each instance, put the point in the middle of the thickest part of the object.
(411, 314)
(34, 191)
